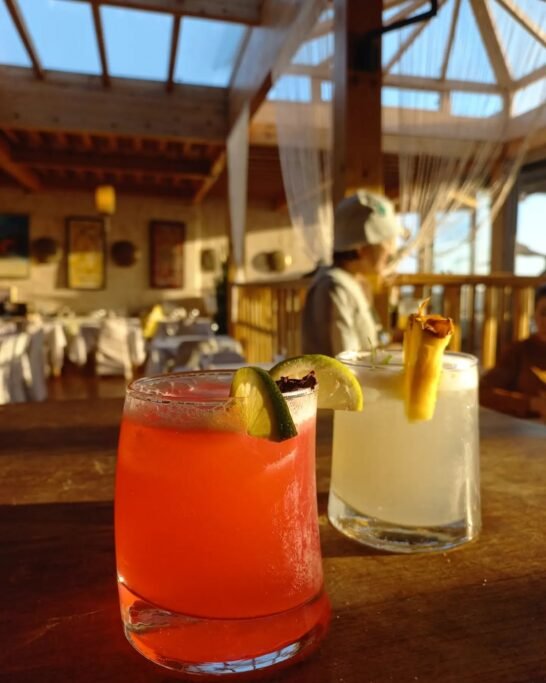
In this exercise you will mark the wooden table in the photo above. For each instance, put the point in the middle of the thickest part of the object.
(474, 614)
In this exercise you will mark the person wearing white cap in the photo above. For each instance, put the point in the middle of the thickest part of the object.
(338, 313)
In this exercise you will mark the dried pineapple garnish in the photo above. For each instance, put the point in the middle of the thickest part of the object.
(425, 340)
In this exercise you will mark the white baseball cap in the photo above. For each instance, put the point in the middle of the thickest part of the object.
(364, 218)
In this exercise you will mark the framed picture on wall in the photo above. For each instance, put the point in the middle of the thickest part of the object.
(167, 254)
(14, 246)
(86, 253)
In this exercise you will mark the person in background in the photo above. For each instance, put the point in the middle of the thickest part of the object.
(517, 384)
(338, 313)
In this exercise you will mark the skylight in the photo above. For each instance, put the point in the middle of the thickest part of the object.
(315, 51)
(469, 61)
(64, 35)
(137, 42)
(207, 50)
(522, 51)
(410, 99)
(476, 105)
(291, 89)
(12, 50)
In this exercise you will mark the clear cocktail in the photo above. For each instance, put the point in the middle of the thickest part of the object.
(217, 542)
(402, 485)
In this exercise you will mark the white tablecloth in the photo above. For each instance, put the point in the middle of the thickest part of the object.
(164, 352)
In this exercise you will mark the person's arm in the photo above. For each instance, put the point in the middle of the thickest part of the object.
(497, 386)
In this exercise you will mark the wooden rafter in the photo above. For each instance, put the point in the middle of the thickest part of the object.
(415, 83)
(529, 78)
(25, 177)
(490, 38)
(240, 11)
(450, 39)
(524, 21)
(387, 4)
(20, 25)
(405, 13)
(209, 182)
(172, 53)
(70, 103)
(115, 163)
(99, 33)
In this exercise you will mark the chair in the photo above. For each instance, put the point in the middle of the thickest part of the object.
(120, 346)
(15, 372)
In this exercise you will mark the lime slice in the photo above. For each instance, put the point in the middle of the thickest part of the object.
(267, 413)
(338, 388)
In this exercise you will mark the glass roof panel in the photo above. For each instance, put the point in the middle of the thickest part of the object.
(424, 57)
(390, 43)
(530, 97)
(393, 11)
(523, 52)
(64, 35)
(12, 50)
(326, 91)
(137, 42)
(410, 99)
(207, 50)
(475, 105)
(469, 60)
(291, 89)
(315, 51)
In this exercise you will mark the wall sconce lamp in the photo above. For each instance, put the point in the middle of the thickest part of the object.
(105, 200)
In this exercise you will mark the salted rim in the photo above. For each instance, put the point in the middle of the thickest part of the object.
(143, 389)
(361, 359)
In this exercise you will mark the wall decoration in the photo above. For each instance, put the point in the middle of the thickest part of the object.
(86, 257)
(167, 254)
(14, 246)
(45, 250)
(124, 253)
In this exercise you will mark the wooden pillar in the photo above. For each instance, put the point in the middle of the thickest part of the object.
(503, 238)
(358, 160)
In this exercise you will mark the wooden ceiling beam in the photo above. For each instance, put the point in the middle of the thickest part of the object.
(172, 56)
(406, 12)
(239, 11)
(20, 25)
(524, 21)
(436, 84)
(529, 78)
(25, 177)
(99, 34)
(123, 187)
(80, 104)
(450, 39)
(209, 182)
(488, 31)
(188, 168)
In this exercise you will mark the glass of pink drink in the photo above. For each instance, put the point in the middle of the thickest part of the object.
(217, 543)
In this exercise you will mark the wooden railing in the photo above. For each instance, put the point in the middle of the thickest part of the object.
(489, 311)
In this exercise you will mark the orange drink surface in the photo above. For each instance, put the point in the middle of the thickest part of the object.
(216, 528)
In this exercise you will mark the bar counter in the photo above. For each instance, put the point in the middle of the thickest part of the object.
(475, 614)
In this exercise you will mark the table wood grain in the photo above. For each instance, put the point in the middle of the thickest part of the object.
(475, 614)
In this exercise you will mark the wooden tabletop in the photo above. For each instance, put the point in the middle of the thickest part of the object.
(475, 614)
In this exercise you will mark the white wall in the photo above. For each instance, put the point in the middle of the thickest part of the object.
(127, 288)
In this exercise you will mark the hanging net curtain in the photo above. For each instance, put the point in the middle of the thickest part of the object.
(304, 136)
(463, 95)
(470, 128)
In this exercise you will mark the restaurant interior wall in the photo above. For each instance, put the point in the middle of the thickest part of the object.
(127, 289)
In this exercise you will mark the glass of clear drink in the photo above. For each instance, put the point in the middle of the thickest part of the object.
(407, 486)
(217, 541)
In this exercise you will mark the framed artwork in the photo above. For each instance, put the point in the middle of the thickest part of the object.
(167, 254)
(86, 253)
(14, 246)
